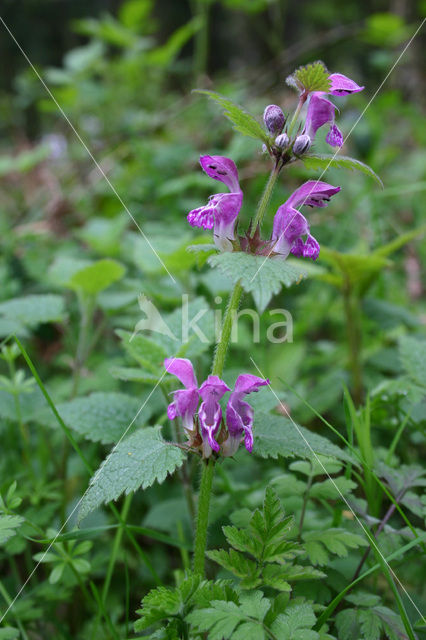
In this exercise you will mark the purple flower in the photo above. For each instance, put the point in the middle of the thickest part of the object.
(290, 225)
(239, 414)
(342, 85)
(321, 111)
(185, 401)
(210, 413)
(222, 209)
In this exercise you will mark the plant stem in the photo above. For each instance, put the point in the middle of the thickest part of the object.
(380, 528)
(354, 341)
(116, 546)
(264, 201)
(225, 334)
(26, 449)
(296, 114)
(304, 505)
(203, 516)
(217, 370)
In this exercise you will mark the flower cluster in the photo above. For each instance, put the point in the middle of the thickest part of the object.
(321, 111)
(203, 424)
(291, 232)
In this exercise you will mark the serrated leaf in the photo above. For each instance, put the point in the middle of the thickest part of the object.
(332, 489)
(273, 576)
(238, 564)
(33, 310)
(336, 541)
(96, 277)
(136, 462)
(9, 526)
(226, 620)
(347, 624)
(101, 417)
(277, 436)
(242, 121)
(163, 602)
(312, 77)
(261, 276)
(295, 624)
(326, 161)
(371, 624)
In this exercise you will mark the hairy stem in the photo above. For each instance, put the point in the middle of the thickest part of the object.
(225, 334)
(264, 201)
(296, 114)
(203, 516)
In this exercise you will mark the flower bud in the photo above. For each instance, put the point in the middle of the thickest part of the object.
(301, 144)
(282, 141)
(274, 119)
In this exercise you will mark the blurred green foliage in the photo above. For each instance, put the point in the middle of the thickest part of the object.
(74, 264)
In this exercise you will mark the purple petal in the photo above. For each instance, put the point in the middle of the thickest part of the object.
(202, 217)
(171, 411)
(213, 387)
(308, 249)
(222, 169)
(334, 136)
(313, 193)
(247, 383)
(210, 413)
(320, 111)
(183, 370)
(289, 224)
(210, 416)
(225, 217)
(239, 419)
(342, 86)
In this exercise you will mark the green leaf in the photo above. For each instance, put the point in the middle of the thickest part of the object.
(226, 620)
(295, 624)
(326, 161)
(33, 310)
(412, 353)
(166, 603)
(96, 277)
(101, 417)
(238, 564)
(137, 461)
(319, 544)
(312, 77)
(8, 527)
(133, 374)
(277, 436)
(242, 121)
(332, 489)
(259, 275)
(145, 351)
(347, 624)
(371, 624)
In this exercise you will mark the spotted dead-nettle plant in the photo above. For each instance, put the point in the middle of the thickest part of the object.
(208, 421)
